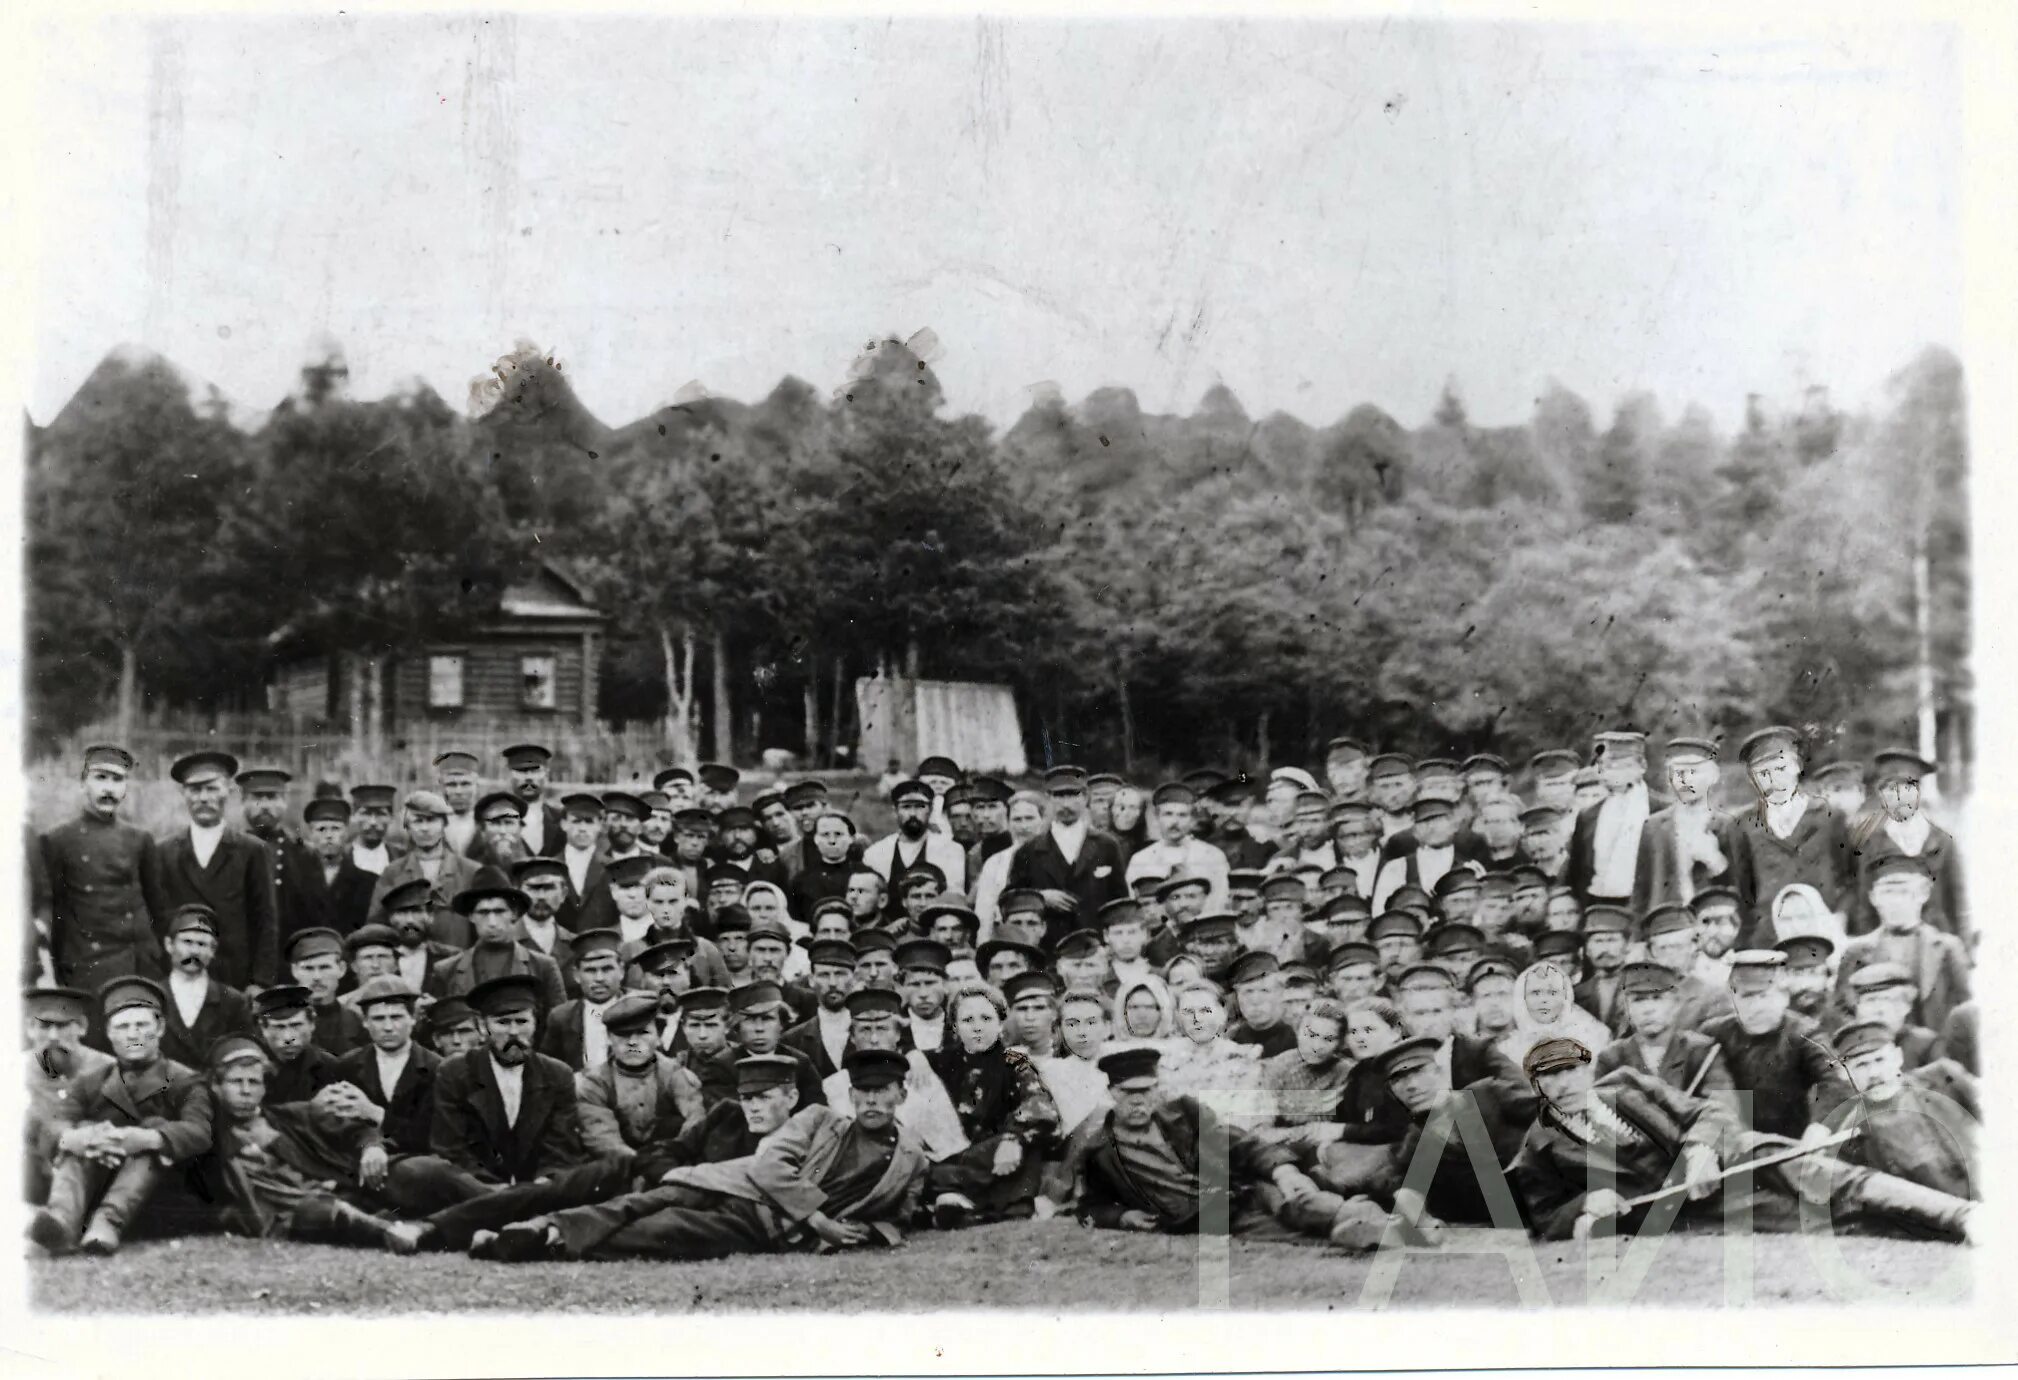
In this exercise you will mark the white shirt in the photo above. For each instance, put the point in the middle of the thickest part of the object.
(204, 841)
(927, 1034)
(634, 928)
(1430, 866)
(833, 1032)
(533, 828)
(372, 860)
(595, 1035)
(1783, 819)
(430, 866)
(1070, 838)
(460, 830)
(1910, 836)
(391, 1066)
(540, 933)
(511, 1086)
(669, 1033)
(578, 867)
(189, 993)
(1192, 857)
(413, 966)
(1615, 843)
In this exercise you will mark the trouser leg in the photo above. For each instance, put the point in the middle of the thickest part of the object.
(126, 1195)
(971, 1173)
(729, 1227)
(585, 1228)
(1352, 1170)
(320, 1217)
(424, 1184)
(585, 1184)
(1903, 1203)
(75, 1184)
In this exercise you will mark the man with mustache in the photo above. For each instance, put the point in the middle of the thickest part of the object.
(407, 915)
(492, 907)
(104, 884)
(330, 890)
(200, 1011)
(56, 1018)
(913, 842)
(232, 873)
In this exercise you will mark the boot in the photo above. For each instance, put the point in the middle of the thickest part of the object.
(1914, 1205)
(337, 1223)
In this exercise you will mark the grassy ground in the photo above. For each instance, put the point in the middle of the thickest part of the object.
(1029, 1265)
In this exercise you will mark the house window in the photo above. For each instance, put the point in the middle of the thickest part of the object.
(538, 674)
(444, 681)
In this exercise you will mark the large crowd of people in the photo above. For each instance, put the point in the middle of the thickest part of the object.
(669, 1024)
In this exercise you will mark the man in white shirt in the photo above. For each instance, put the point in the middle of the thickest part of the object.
(371, 817)
(914, 842)
(1605, 847)
(1390, 784)
(455, 776)
(1435, 853)
(201, 1011)
(922, 963)
(823, 1036)
(575, 1033)
(1355, 842)
(1176, 849)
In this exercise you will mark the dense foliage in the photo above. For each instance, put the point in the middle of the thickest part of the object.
(1181, 589)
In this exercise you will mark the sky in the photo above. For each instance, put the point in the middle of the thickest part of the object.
(1314, 214)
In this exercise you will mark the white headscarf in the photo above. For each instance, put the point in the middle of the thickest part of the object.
(1574, 1023)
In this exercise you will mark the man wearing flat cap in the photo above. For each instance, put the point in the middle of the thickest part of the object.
(317, 961)
(823, 1036)
(527, 766)
(104, 883)
(1686, 846)
(826, 1180)
(126, 1129)
(301, 1068)
(1920, 1124)
(329, 890)
(429, 859)
(456, 779)
(1657, 1045)
(503, 1114)
(1598, 1144)
(1423, 855)
(1900, 891)
(229, 871)
(1177, 848)
(56, 1019)
(492, 907)
(1075, 867)
(1605, 845)
(262, 795)
(1781, 1058)
(200, 1010)
(1140, 1166)
(500, 840)
(575, 1032)
(914, 842)
(1788, 836)
(1899, 825)
(638, 1099)
(389, 1082)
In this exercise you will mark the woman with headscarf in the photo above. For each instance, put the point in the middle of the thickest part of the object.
(1128, 821)
(1145, 1012)
(1546, 1009)
(766, 901)
(1799, 912)
(1004, 1108)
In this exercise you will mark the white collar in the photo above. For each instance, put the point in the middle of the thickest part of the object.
(176, 978)
(507, 1074)
(202, 833)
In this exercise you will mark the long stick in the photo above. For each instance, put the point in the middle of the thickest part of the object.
(1791, 1153)
(1704, 1068)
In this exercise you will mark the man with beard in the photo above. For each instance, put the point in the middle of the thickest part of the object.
(1717, 925)
(500, 840)
(455, 778)
(232, 873)
(429, 860)
(718, 784)
(825, 862)
(1782, 1059)
(503, 1114)
(770, 947)
(371, 847)
(127, 1124)
(736, 852)
(1688, 845)
(1788, 836)
(623, 817)
(1597, 1145)
(1225, 802)
(1805, 979)
(1390, 785)
(1177, 849)
(545, 883)
(330, 891)
(913, 842)
(493, 907)
(528, 765)
(263, 803)
(104, 884)
(658, 825)
(407, 916)
(316, 960)
(1605, 846)
(1605, 934)
(301, 1068)
(1900, 827)
(1073, 866)
(56, 1019)
(1899, 891)
(389, 1082)
(575, 1030)
(823, 1037)
(199, 1012)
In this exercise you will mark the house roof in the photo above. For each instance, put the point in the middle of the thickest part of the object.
(550, 592)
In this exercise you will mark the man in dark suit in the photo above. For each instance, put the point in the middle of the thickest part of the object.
(823, 1036)
(301, 1068)
(503, 1114)
(1074, 866)
(492, 907)
(394, 1074)
(1607, 929)
(429, 859)
(262, 793)
(1687, 846)
(527, 764)
(1428, 999)
(1788, 837)
(200, 1010)
(327, 890)
(1658, 1045)
(230, 872)
(574, 1030)
(1899, 826)
(103, 880)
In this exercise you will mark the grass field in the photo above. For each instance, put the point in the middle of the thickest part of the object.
(1053, 1266)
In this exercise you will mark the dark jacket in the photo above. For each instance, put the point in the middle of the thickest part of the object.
(1939, 964)
(224, 1012)
(1818, 854)
(309, 900)
(1106, 1190)
(805, 1039)
(1555, 1171)
(454, 977)
(165, 1096)
(1926, 1133)
(238, 886)
(1099, 876)
(1657, 877)
(1947, 909)
(1790, 1072)
(104, 899)
(409, 1105)
(470, 1130)
(304, 1078)
(722, 1134)
(1692, 1062)
(339, 1029)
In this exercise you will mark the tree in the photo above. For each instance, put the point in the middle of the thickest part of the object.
(1614, 487)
